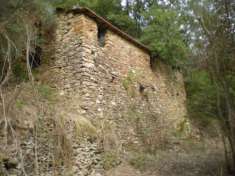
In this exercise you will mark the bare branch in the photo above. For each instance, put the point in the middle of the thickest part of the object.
(206, 31)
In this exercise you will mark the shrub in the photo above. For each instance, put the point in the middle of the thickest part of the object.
(20, 72)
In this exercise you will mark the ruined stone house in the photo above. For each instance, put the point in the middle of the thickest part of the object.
(101, 74)
(111, 71)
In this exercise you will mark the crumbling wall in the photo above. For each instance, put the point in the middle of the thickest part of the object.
(114, 82)
(109, 88)
(98, 73)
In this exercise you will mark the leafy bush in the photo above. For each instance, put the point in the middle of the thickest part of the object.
(163, 35)
(201, 98)
(20, 72)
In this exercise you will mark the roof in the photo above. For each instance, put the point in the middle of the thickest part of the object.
(101, 21)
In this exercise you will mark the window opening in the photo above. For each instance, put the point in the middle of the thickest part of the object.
(101, 35)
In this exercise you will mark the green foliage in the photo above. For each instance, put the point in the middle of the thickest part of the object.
(129, 80)
(18, 21)
(201, 97)
(20, 72)
(156, 25)
(20, 104)
(46, 92)
(107, 7)
(124, 22)
(16, 15)
(183, 129)
(113, 11)
(110, 9)
(67, 4)
(163, 35)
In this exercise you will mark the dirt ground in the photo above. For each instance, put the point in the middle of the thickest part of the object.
(196, 159)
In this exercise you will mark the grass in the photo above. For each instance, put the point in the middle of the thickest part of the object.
(46, 92)
(84, 128)
(20, 104)
(183, 129)
(142, 161)
(110, 160)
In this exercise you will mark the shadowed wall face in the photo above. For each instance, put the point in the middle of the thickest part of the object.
(113, 77)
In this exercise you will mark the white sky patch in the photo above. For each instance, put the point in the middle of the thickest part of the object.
(123, 2)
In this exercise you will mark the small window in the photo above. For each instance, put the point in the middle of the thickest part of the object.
(101, 35)
(141, 88)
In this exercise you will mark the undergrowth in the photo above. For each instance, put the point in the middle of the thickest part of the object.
(110, 160)
(47, 92)
(142, 161)
(130, 81)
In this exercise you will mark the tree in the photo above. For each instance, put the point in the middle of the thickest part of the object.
(16, 19)
(215, 19)
(163, 34)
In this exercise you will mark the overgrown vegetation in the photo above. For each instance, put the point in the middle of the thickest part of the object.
(46, 92)
(142, 161)
(110, 160)
(129, 83)
(146, 126)
(111, 145)
(198, 36)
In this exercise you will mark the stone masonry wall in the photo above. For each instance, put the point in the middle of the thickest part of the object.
(109, 93)
(115, 82)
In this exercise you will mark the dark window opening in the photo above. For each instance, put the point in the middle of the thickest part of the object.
(35, 57)
(141, 88)
(101, 35)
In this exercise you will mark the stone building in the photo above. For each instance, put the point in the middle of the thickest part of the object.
(104, 84)
(110, 74)
(111, 71)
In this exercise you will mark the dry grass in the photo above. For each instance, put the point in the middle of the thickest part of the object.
(193, 158)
